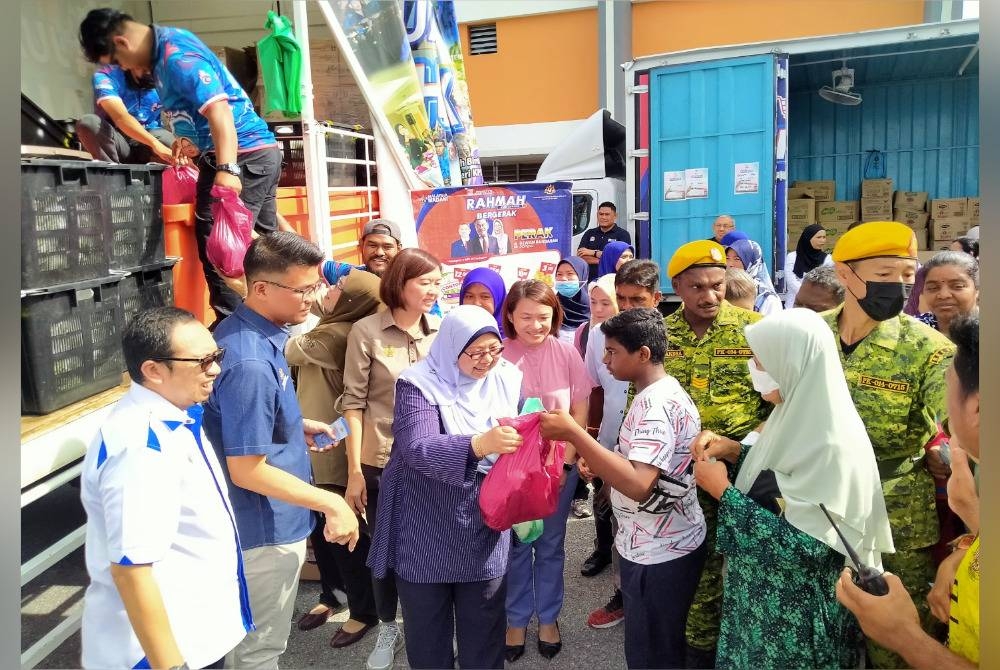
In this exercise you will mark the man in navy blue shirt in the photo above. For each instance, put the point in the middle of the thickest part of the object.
(125, 126)
(253, 419)
(594, 240)
(211, 117)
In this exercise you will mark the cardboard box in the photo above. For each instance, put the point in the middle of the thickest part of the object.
(915, 201)
(949, 208)
(821, 190)
(876, 209)
(834, 230)
(802, 211)
(939, 245)
(974, 211)
(925, 255)
(948, 229)
(796, 193)
(923, 237)
(834, 211)
(914, 219)
(876, 188)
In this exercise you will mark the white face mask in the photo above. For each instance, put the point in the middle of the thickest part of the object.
(763, 382)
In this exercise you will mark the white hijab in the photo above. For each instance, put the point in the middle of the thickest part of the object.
(814, 441)
(468, 406)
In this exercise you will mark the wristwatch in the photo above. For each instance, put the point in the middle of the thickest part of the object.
(231, 168)
(568, 467)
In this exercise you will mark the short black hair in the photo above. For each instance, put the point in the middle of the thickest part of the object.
(610, 205)
(277, 252)
(969, 246)
(639, 272)
(964, 332)
(825, 276)
(637, 328)
(97, 29)
(148, 335)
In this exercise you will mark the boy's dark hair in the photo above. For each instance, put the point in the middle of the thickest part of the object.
(97, 29)
(637, 328)
(639, 272)
(149, 335)
(408, 264)
(964, 333)
(610, 205)
(275, 253)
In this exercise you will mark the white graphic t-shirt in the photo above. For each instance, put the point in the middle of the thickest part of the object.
(658, 430)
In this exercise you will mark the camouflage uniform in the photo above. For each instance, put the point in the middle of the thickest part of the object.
(713, 370)
(896, 378)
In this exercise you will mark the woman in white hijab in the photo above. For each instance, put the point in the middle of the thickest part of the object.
(450, 567)
(779, 604)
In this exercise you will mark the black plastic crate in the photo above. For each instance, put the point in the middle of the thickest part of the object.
(149, 286)
(70, 344)
(134, 220)
(62, 222)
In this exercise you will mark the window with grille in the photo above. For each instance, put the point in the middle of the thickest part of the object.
(508, 172)
(483, 39)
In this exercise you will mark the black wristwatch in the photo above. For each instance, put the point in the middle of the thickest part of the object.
(231, 168)
(568, 467)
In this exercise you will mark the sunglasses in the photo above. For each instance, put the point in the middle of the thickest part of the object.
(205, 361)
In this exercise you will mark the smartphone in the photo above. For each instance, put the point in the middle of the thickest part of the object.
(340, 431)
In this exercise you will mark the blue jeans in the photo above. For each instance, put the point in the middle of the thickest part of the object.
(535, 574)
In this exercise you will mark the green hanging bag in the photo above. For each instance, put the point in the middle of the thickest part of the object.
(280, 60)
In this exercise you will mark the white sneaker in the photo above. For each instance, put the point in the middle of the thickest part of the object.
(390, 640)
(580, 510)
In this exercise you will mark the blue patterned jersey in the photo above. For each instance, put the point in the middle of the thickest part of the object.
(189, 77)
(143, 104)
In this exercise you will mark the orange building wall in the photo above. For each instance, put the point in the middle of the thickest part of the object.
(545, 70)
(675, 25)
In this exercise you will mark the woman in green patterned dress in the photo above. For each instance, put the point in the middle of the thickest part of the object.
(779, 606)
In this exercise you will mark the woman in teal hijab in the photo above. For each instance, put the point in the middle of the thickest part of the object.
(779, 604)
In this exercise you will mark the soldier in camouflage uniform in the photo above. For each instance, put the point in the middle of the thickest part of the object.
(895, 369)
(707, 353)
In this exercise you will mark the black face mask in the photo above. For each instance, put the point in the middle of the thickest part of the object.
(883, 299)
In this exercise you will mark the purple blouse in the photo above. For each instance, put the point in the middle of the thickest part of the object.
(429, 529)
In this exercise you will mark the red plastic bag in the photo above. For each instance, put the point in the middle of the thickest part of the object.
(180, 185)
(231, 233)
(524, 485)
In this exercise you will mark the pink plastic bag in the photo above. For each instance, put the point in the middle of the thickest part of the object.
(180, 185)
(524, 485)
(231, 233)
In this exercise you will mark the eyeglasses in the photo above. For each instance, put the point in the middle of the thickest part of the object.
(477, 356)
(205, 361)
(301, 292)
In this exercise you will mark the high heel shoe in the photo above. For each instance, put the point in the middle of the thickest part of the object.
(512, 652)
(550, 649)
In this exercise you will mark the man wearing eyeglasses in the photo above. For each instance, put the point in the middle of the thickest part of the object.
(254, 420)
(167, 585)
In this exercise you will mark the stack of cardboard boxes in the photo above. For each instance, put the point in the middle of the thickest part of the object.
(951, 219)
(910, 207)
(813, 202)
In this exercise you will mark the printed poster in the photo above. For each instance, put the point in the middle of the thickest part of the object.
(674, 185)
(519, 230)
(696, 180)
(746, 178)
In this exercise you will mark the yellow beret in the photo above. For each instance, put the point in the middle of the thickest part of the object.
(876, 239)
(692, 254)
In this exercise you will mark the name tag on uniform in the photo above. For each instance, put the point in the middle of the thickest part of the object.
(389, 351)
(675, 353)
(733, 352)
(883, 384)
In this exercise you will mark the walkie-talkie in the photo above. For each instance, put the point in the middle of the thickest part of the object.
(868, 579)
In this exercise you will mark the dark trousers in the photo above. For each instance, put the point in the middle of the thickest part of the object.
(105, 142)
(473, 613)
(657, 598)
(581, 492)
(340, 568)
(386, 598)
(604, 541)
(261, 170)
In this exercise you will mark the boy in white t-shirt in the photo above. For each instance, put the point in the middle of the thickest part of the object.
(661, 529)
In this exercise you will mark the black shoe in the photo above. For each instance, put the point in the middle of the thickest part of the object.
(550, 649)
(512, 652)
(595, 564)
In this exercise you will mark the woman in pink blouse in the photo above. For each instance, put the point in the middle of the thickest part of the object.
(553, 372)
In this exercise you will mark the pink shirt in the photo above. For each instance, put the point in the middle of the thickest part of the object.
(553, 372)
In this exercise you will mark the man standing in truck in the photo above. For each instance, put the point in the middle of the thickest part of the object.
(594, 240)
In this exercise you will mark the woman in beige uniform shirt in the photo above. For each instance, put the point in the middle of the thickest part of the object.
(318, 357)
(379, 348)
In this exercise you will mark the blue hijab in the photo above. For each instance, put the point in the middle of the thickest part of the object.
(494, 284)
(732, 236)
(613, 250)
(576, 309)
(753, 262)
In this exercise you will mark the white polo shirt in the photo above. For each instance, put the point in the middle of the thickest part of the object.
(154, 495)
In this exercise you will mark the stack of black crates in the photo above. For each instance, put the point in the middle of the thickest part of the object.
(92, 255)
